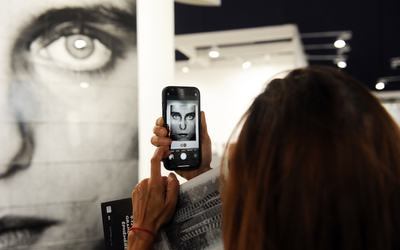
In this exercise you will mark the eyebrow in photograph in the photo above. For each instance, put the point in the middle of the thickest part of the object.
(95, 14)
(45, 24)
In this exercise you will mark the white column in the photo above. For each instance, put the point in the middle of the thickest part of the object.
(156, 62)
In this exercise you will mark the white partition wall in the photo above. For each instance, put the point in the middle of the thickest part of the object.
(391, 101)
(156, 58)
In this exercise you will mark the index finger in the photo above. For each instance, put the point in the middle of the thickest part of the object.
(156, 162)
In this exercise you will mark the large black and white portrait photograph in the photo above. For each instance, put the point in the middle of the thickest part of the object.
(68, 123)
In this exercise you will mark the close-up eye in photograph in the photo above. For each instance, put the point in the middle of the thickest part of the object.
(199, 124)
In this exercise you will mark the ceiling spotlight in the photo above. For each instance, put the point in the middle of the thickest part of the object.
(246, 65)
(214, 52)
(339, 44)
(185, 69)
(84, 84)
(342, 64)
(380, 85)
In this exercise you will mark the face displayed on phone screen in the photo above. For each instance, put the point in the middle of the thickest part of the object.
(183, 122)
(182, 116)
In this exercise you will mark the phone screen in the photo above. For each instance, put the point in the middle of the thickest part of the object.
(181, 112)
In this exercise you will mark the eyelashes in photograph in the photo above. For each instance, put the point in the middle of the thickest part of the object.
(76, 41)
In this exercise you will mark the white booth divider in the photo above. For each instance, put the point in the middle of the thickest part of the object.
(156, 58)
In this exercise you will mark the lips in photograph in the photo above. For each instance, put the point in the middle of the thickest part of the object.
(22, 230)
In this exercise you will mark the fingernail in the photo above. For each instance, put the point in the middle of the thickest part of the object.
(166, 141)
(161, 131)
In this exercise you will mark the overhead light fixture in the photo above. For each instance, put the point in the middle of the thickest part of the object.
(342, 64)
(384, 81)
(340, 43)
(341, 39)
(84, 85)
(246, 65)
(340, 61)
(185, 70)
(214, 52)
(380, 85)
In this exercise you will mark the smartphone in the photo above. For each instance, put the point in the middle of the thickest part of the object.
(181, 113)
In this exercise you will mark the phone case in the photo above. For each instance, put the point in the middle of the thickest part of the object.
(180, 104)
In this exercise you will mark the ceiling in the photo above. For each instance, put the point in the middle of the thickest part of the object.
(374, 26)
(244, 47)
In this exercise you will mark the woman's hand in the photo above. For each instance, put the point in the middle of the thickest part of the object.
(160, 139)
(154, 201)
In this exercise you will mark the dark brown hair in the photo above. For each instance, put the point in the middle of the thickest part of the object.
(316, 166)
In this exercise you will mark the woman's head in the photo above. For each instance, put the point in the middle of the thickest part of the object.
(316, 166)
